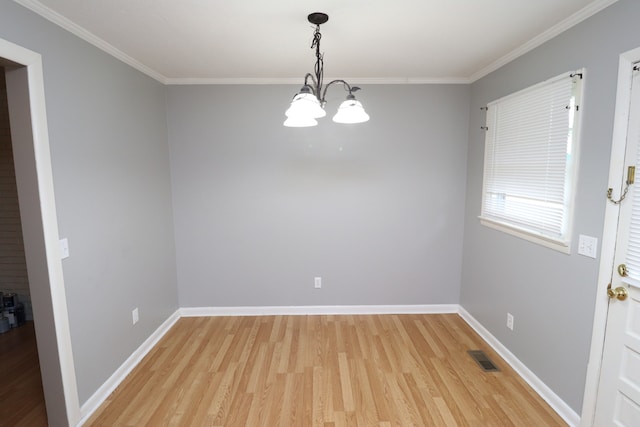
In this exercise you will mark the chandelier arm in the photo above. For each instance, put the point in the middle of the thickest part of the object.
(315, 87)
(346, 86)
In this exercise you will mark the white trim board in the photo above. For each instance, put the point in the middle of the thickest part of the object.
(86, 35)
(558, 405)
(34, 132)
(82, 33)
(587, 12)
(298, 81)
(318, 310)
(94, 402)
(120, 374)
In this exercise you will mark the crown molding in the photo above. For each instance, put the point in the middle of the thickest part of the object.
(75, 29)
(89, 37)
(540, 39)
(299, 81)
(67, 24)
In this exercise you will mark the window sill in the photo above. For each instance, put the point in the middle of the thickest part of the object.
(557, 245)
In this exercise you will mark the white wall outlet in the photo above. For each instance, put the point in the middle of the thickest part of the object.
(317, 282)
(588, 246)
(135, 315)
(64, 248)
(510, 321)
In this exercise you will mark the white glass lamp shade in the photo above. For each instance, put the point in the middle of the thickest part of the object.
(300, 122)
(351, 111)
(305, 105)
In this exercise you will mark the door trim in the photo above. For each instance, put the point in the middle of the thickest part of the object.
(616, 176)
(34, 175)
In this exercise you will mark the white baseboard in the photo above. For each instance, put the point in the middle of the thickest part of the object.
(558, 405)
(94, 402)
(318, 310)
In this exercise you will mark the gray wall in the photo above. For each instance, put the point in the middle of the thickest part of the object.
(375, 209)
(110, 159)
(551, 295)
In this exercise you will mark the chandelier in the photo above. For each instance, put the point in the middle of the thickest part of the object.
(308, 104)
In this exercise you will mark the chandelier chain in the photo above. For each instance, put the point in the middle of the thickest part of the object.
(319, 66)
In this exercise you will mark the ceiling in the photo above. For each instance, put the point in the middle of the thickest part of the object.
(365, 41)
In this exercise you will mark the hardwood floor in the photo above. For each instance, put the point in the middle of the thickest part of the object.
(21, 395)
(328, 371)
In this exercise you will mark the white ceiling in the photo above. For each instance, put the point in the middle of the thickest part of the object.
(365, 41)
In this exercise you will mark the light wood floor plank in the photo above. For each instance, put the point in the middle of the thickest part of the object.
(322, 371)
(21, 394)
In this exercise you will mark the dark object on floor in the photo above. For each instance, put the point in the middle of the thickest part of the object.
(483, 361)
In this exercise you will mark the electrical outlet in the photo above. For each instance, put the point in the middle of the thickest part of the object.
(317, 282)
(510, 321)
(135, 315)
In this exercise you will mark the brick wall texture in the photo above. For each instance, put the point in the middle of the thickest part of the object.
(13, 267)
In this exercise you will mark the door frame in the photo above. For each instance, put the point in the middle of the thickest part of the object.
(609, 232)
(32, 158)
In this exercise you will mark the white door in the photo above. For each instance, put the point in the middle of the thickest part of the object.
(618, 401)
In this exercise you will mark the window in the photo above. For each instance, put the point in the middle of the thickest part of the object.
(632, 258)
(530, 161)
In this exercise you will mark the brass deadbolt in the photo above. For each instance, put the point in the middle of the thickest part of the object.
(623, 271)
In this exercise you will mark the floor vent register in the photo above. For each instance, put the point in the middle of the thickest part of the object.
(483, 361)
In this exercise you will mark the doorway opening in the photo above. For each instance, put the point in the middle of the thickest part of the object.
(22, 397)
(34, 181)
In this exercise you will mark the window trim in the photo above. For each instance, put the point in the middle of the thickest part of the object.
(559, 244)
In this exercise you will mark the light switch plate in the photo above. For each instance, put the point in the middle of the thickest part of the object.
(588, 246)
(64, 248)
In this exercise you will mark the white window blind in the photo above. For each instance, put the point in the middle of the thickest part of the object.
(529, 160)
(633, 137)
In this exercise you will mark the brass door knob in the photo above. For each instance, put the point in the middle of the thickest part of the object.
(620, 292)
